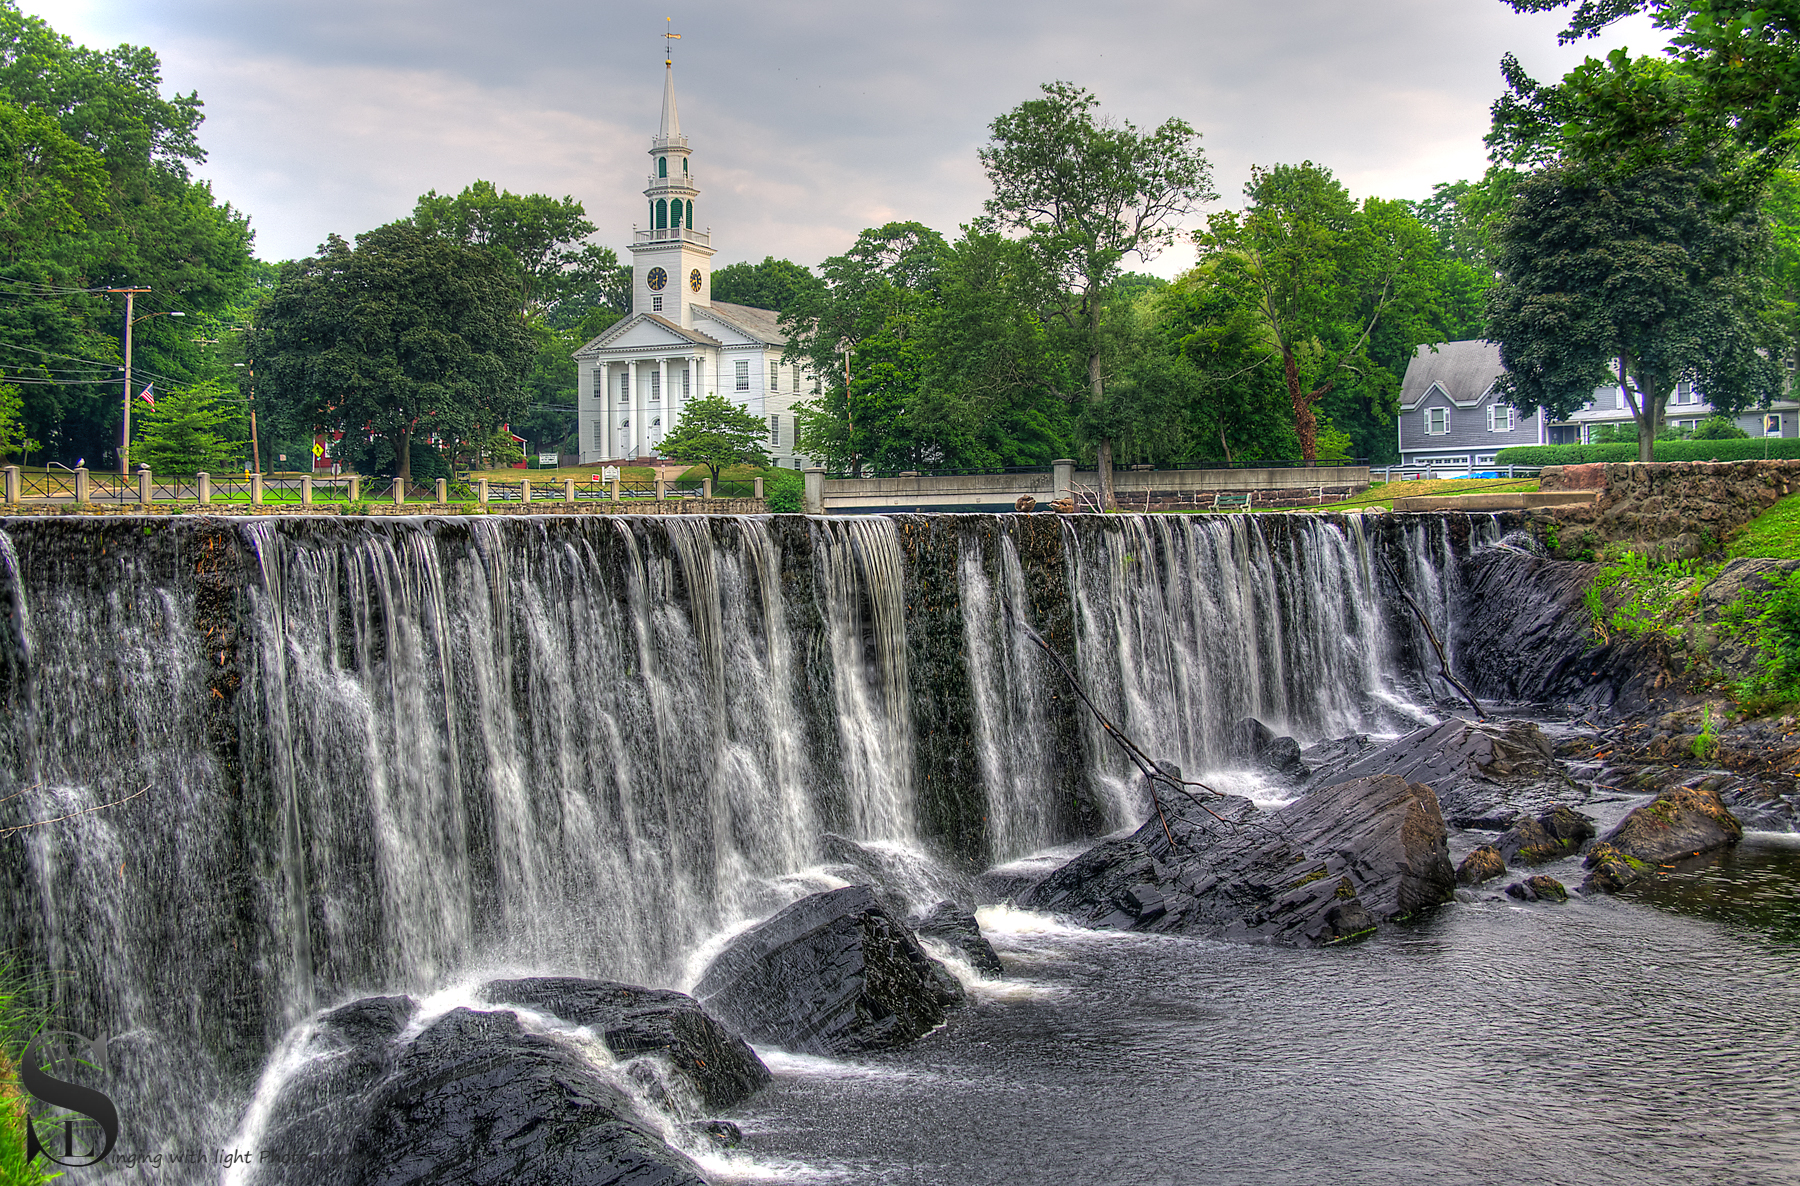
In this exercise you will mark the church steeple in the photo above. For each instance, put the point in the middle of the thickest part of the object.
(674, 272)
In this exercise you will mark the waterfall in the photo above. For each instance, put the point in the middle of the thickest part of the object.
(385, 753)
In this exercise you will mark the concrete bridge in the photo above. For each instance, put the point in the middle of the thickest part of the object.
(1136, 489)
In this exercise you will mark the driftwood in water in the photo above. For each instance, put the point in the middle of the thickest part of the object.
(1443, 661)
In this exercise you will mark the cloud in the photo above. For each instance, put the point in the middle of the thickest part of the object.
(809, 120)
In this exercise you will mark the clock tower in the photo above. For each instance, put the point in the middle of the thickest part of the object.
(671, 260)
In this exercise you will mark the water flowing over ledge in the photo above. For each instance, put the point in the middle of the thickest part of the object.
(383, 752)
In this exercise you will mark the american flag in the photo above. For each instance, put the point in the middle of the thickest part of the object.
(148, 394)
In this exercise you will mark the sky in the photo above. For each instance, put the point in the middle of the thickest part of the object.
(809, 121)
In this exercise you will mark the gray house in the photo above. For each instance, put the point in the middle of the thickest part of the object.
(1450, 414)
(1451, 417)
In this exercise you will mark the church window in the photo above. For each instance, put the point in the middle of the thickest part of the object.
(656, 304)
(625, 387)
(684, 166)
(774, 377)
(690, 207)
(662, 166)
(653, 214)
(599, 435)
(675, 213)
(655, 386)
(662, 214)
(743, 374)
(775, 430)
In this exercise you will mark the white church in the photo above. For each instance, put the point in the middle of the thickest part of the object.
(678, 343)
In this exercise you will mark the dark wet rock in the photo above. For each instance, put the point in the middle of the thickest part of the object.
(1611, 870)
(833, 973)
(1558, 833)
(370, 1020)
(1681, 822)
(633, 1021)
(1004, 885)
(722, 1133)
(1770, 803)
(904, 881)
(1539, 887)
(1255, 742)
(1327, 867)
(951, 925)
(1333, 754)
(1483, 864)
(1483, 774)
(473, 1099)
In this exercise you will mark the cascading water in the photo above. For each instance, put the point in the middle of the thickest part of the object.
(382, 754)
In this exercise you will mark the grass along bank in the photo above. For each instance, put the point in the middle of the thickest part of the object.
(1381, 495)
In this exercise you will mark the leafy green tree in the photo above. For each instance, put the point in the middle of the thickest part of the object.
(192, 429)
(715, 432)
(1088, 193)
(404, 334)
(542, 238)
(1638, 280)
(772, 284)
(12, 423)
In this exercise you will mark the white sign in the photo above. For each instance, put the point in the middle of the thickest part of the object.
(609, 473)
(547, 460)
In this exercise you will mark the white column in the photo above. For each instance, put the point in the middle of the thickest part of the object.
(603, 399)
(640, 409)
(662, 384)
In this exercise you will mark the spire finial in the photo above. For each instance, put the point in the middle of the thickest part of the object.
(669, 40)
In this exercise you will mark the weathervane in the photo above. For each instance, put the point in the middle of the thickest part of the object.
(669, 39)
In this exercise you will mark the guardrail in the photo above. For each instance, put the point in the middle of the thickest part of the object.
(1413, 473)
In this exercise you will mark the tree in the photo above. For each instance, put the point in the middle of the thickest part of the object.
(12, 423)
(1638, 280)
(192, 429)
(541, 238)
(1087, 193)
(772, 284)
(406, 333)
(715, 432)
(1322, 274)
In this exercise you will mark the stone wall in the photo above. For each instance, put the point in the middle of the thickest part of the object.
(1676, 509)
(540, 506)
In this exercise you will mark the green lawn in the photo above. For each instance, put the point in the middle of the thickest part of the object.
(1382, 494)
(1775, 533)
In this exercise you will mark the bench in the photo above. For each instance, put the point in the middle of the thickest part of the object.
(1231, 502)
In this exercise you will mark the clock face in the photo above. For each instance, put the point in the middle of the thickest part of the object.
(657, 278)
(694, 279)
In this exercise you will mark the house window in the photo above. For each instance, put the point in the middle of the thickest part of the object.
(655, 386)
(775, 430)
(1772, 424)
(774, 377)
(743, 374)
(656, 304)
(1437, 421)
(1500, 418)
(599, 435)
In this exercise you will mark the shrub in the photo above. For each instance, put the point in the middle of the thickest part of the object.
(1750, 449)
(785, 491)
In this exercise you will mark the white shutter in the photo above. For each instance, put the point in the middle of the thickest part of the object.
(1492, 409)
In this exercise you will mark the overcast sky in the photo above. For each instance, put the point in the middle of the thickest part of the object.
(809, 120)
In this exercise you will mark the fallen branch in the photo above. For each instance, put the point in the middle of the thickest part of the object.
(59, 819)
(1443, 662)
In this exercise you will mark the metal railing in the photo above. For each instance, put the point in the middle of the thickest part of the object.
(1439, 470)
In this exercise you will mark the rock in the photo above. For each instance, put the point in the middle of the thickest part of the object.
(1253, 741)
(1610, 870)
(472, 1099)
(955, 927)
(369, 1020)
(1558, 833)
(1025, 504)
(1482, 864)
(831, 974)
(1327, 867)
(1483, 774)
(905, 880)
(1539, 887)
(1681, 822)
(633, 1021)
(722, 1133)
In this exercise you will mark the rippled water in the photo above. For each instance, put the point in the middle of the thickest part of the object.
(1608, 1040)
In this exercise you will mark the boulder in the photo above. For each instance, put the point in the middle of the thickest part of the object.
(472, 1099)
(1681, 822)
(951, 925)
(831, 974)
(1483, 774)
(1327, 867)
(1610, 870)
(905, 880)
(633, 1021)
(1483, 864)
(1252, 741)
(1557, 833)
(1539, 887)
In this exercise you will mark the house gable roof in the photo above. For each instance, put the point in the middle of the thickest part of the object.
(1461, 372)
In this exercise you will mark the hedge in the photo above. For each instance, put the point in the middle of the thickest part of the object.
(1754, 449)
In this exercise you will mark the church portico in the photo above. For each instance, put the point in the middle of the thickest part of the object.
(678, 344)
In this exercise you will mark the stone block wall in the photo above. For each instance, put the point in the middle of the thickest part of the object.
(1675, 509)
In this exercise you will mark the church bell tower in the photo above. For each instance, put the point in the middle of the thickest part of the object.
(671, 260)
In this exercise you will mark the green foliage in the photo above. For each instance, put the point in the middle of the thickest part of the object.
(540, 238)
(1775, 631)
(1719, 428)
(1638, 271)
(95, 192)
(785, 491)
(1707, 740)
(1774, 534)
(198, 428)
(715, 432)
(773, 284)
(1655, 597)
(12, 423)
(1750, 449)
(406, 333)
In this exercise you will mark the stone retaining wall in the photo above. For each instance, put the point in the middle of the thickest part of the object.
(1674, 508)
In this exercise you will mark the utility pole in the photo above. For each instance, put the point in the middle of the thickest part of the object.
(125, 429)
(250, 399)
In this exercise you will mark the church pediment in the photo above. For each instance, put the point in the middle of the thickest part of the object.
(643, 331)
